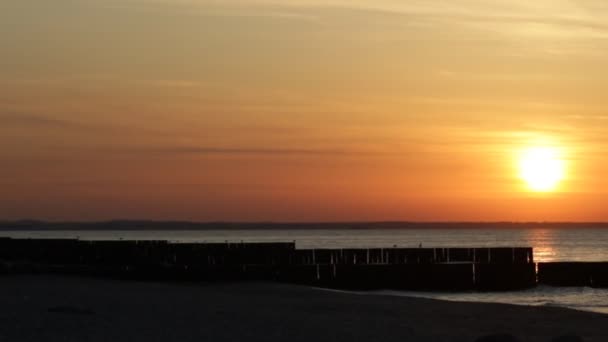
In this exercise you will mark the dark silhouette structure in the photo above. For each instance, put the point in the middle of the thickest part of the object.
(443, 269)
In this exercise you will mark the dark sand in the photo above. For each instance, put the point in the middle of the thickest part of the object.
(53, 308)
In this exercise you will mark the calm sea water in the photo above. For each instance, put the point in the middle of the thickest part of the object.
(549, 245)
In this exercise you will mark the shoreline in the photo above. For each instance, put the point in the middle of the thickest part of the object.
(72, 308)
(525, 296)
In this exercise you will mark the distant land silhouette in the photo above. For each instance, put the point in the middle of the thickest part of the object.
(185, 225)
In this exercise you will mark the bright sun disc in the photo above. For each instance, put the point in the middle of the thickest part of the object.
(541, 168)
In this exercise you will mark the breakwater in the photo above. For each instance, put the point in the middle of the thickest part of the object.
(443, 269)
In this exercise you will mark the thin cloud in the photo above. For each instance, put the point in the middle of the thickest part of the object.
(214, 9)
(35, 120)
(517, 18)
(256, 151)
(47, 121)
(559, 20)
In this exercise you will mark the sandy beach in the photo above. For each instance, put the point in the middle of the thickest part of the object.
(57, 308)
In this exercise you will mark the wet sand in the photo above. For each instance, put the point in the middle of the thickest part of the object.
(55, 308)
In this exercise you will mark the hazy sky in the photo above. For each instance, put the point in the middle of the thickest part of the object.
(300, 109)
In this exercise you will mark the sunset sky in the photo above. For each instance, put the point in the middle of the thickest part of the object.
(301, 110)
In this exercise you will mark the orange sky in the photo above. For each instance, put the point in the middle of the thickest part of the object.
(300, 110)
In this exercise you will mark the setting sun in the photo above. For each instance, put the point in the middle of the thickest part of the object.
(541, 168)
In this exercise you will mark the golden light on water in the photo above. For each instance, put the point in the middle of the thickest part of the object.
(543, 242)
(542, 168)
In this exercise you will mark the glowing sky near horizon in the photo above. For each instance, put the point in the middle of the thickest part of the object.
(300, 110)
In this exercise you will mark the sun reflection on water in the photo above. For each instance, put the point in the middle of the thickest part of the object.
(542, 240)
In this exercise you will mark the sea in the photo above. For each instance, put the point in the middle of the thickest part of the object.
(550, 244)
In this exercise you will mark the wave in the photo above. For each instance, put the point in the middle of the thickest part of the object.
(576, 298)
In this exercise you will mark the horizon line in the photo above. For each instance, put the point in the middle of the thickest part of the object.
(273, 222)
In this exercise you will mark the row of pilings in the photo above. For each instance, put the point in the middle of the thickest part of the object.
(439, 269)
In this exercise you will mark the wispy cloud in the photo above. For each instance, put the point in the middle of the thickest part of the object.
(256, 151)
(538, 18)
(35, 120)
(543, 19)
(252, 9)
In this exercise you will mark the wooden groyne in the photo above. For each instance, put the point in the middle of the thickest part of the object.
(445, 269)
(592, 274)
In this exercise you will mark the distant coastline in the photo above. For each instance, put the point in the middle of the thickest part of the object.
(144, 225)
